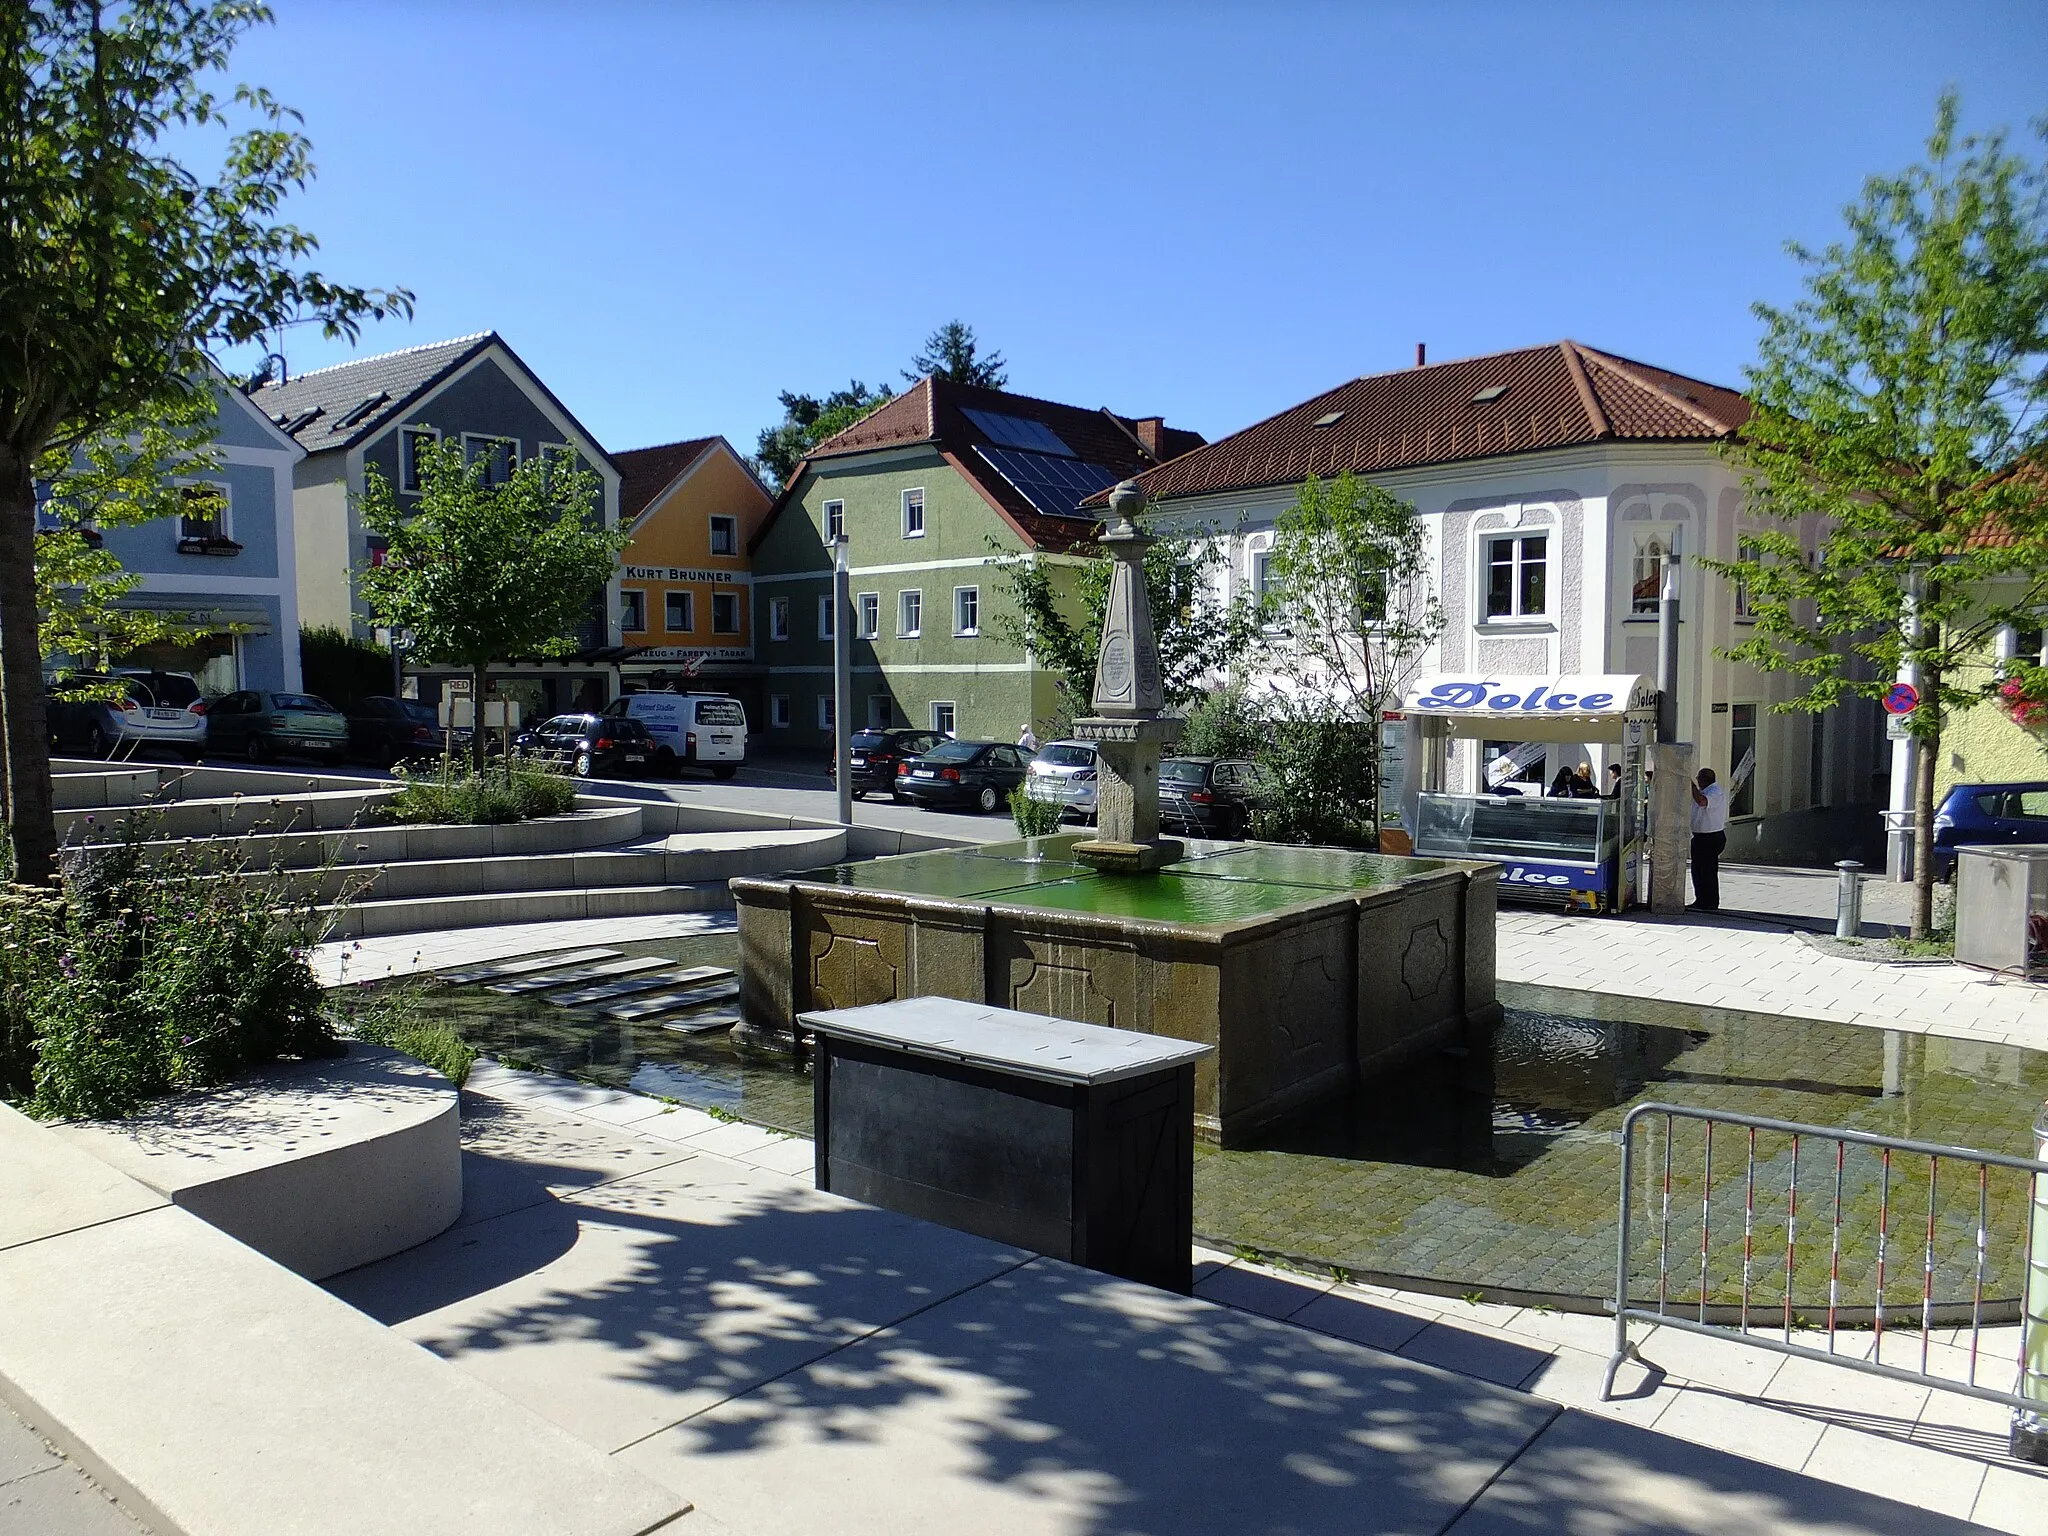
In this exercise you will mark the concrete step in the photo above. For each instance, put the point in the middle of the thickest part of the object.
(422, 914)
(236, 815)
(583, 829)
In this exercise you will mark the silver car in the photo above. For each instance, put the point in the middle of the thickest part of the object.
(1063, 773)
(151, 709)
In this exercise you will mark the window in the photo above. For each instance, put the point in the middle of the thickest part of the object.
(682, 612)
(825, 617)
(725, 613)
(203, 511)
(1516, 763)
(824, 711)
(1262, 572)
(778, 618)
(1646, 578)
(778, 712)
(1742, 743)
(414, 445)
(967, 610)
(555, 456)
(913, 514)
(632, 610)
(942, 719)
(1746, 549)
(870, 614)
(725, 535)
(1515, 585)
(910, 613)
(499, 455)
(835, 520)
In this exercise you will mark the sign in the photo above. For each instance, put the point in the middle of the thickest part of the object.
(1901, 699)
(690, 653)
(1898, 728)
(1581, 887)
(1744, 768)
(680, 573)
(1514, 760)
(1606, 694)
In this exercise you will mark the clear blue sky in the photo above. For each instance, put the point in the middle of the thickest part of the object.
(1201, 211)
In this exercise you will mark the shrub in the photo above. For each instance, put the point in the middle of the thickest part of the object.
(1034, 818)
(340, 668)
(1225, 724)
(394, 1016)
(458, 795)
(1320, 788)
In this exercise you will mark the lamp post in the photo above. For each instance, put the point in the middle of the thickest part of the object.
(842, 675)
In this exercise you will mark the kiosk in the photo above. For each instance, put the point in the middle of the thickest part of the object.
(1585, 854)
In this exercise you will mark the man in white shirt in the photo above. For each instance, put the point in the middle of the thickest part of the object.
(1027, 738)
(1709, 839)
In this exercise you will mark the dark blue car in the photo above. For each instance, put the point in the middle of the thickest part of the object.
(1988, 813)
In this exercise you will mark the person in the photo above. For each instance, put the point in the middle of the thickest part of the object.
(1561, 786)
(1026, 738)
(1613, 782)
(1709, 839)
(1582, 783)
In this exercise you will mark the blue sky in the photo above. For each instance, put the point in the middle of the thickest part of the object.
(1202, 211)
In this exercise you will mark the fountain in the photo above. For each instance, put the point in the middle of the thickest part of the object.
(1307, 968)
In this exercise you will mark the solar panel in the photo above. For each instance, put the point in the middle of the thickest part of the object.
(1053, 485)
(1018, 432)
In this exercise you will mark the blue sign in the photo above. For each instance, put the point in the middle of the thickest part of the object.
(1588, 886)
(1901, 699)
(1462, 694)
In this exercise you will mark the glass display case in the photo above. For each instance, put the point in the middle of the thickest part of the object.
(1519, 826)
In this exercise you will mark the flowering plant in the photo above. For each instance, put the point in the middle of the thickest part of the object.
(2023, 695)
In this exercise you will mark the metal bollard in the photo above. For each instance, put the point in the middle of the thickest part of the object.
(1849, 900)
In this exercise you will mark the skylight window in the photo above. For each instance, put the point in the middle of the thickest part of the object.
(1019, 432)
(363, 408)
(303, 420)
(1488, 395)
(1330, 420)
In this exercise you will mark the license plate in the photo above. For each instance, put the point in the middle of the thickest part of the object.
(635, 757)
(311, 742)
(165, 714)
(923, 773)
(721, 741)
(858, 761)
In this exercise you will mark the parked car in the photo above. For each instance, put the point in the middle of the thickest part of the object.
(259, 724)
(1988, 813)
(384, 730)
(1063, 773)
(703, 730)
(590, 744)
(151, 709)
(1208, 796)
(875, 756)
(976, 773)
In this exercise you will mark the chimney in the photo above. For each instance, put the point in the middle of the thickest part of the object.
(1151, 432)
(1421, 355)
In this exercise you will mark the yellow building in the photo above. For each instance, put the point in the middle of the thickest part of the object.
(685, 586)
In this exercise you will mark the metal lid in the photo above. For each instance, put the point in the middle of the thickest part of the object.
(1028, 1044)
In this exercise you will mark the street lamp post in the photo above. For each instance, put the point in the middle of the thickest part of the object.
(842, 675)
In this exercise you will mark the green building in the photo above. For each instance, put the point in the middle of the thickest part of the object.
(932, 489)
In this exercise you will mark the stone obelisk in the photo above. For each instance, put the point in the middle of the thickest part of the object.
(1126, 726)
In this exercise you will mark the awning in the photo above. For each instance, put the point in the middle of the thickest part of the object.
(1580, 706)
(194, 614)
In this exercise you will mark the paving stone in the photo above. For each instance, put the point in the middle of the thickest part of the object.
(1878, 1464)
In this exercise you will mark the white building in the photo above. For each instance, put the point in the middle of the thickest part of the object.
(1553, 483)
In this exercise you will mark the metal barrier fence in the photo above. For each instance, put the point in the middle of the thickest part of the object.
(1970, 1230)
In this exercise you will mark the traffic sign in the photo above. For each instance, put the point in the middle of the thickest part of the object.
(1901, 699)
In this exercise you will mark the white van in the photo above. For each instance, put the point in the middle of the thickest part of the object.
(707, 730)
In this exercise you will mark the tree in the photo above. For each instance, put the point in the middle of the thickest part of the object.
(481, 572)
(1347, 609)
(1898, 410)
(1055, 610)
(121, 267)
(807, 421)
(949, 353)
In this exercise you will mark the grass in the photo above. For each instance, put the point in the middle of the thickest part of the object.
(460, 797)
(394, 1017)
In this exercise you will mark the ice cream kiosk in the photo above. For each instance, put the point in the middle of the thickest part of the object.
(1583, 849)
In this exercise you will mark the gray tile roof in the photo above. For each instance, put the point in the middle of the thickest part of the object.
(332, 407)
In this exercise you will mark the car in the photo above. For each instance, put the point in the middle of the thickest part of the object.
(137, 708)
(1063, 772)
(1208, 796)
(1988, 813)
(976, 773)
(260, 724)
(875, 754)
(700, 730)
(384, 730)
(590, 744)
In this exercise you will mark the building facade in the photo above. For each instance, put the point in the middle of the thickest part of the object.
(934, 491)
(1553, 484)
(685, 590)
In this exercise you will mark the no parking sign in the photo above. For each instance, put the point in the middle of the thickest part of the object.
(1901, 699)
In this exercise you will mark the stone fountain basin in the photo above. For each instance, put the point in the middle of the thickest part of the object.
(1306, 968)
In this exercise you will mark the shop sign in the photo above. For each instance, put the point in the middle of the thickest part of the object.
(1590, 695)
(687, 653)
(680, 573)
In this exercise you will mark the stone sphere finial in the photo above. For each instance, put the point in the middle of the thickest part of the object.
(1126, 503)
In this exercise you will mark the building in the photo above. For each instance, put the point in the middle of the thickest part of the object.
(933, 490)
(222, 571)
(1553, 483)
(685, 593)
(373, 413)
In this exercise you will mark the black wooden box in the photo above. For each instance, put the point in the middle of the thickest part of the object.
(1068, 1139)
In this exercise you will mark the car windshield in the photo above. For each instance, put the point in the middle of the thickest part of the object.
(311, 703)
(869, 741)
(1063, 756)
(418, 713)
(626, 730)
(955, 752)
(720, 712)
(167, 688)
(1180, 770)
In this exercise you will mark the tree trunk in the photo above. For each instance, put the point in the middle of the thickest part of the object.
(1924, 762)
(31, 802)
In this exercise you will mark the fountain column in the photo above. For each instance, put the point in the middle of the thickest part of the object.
(1126, 727)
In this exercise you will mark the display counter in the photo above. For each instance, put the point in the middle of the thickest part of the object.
(1556, 851)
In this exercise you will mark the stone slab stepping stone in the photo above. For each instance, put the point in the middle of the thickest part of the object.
(672, 1002)
(606, 991)
(602, 971)
(703, 1023)
(467, 974)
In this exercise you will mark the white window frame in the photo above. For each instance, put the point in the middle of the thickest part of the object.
(632, 595)
(778, 712)
(835, 519)
(951, 723)
(867, 609)
(1745, 549)
(909, 626)
(825, 616)
(408, 464)
(1644, 538)
(732, 532)
(734, 599)
(1515, 614)
(470, 440)
(688, 600)
(1748, 787)
(971, 595)
(825, 712)
(224, 526)
(778, 618)
(916, 532)
(554, 453)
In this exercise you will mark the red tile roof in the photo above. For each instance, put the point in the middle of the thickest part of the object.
(644, 473)
(1556, 396)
